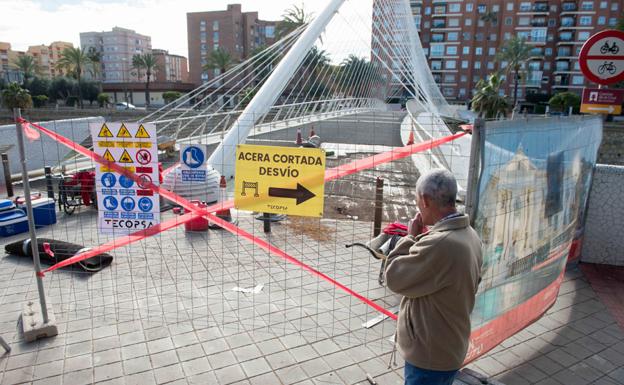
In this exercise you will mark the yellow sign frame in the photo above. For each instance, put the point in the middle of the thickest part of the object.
(280, 180)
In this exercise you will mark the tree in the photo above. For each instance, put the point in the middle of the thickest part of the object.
(357, 76)
(38, 86)
(488, 101)
(219, 59)
(148, 63)
(62, 88)
(292, 19)
(90, 91)
(515, 53)
(74, 61)
(103, 100)
(564, 100)
(170, 96)
(95, 68)
(14, 96)
(27, 65)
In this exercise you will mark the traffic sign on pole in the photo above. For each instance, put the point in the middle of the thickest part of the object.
(602, 101)
(602, 57)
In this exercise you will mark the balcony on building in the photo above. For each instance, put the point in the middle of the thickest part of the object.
(567, 22)
(565, 37)
(539, 22)
(438, 23)
(537, 53)
(437, 38)
(536, 8)
(564, 52)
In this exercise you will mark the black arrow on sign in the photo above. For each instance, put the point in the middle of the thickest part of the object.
(301, 193)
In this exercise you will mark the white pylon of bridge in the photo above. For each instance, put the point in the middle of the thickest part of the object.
(354, 56)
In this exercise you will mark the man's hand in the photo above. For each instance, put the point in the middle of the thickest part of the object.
(416, 226)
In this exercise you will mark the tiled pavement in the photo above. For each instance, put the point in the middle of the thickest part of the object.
(165, 312)
(577, 342)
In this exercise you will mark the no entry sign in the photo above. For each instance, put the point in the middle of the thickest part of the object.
(602, 57)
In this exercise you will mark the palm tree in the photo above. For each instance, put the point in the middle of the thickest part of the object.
(292, 19)
(488, 101)
(27, 65)
(74, 61)
(219, 58)
(515, 52)
(148, 63)
(352, 74)
(95, 57)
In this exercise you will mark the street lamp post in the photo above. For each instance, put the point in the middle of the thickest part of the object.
(123, 77)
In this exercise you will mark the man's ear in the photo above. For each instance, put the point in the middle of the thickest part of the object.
(426, 200)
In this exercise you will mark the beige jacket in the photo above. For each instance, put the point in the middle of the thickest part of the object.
(438, 274)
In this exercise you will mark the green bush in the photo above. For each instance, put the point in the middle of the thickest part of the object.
(14, 96)
(564, 100)
(71, 101)
(103, 100)
(170, 96)
(40, 100)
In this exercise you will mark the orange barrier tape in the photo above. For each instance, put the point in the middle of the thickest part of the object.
(330, 174)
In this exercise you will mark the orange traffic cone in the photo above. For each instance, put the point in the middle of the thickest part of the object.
(223, 214)
(299, 139)
(410, 141)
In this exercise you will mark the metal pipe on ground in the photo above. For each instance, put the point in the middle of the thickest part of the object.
(378, 206)
(7, 174)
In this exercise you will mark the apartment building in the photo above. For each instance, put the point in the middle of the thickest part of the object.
(116, 48)
(237, 32)
(461, 40)
(46, 57)
(171, 68)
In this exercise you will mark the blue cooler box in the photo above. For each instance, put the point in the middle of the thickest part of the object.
(13, 222)
(44, 211)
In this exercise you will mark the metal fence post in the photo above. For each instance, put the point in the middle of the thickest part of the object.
(378, 206)
(473, 169)
(7, 174)
(31, 220)
(48, 177)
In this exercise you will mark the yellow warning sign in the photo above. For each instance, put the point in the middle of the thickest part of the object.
(105, 132)
(123, 132)
(142, 133)
(125, 157)
(108, 156)
(280, 180)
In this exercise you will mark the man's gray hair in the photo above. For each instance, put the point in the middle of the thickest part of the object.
(438, 184)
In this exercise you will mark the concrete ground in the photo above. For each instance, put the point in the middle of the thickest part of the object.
(165, 312)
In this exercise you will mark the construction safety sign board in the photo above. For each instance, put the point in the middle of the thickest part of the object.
(125, 206)
(280, 180)
(193, 162)
(602, 101)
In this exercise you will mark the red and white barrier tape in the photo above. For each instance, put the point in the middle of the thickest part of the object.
(330, 174)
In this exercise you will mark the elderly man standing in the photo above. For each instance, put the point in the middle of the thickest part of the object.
(437, 272)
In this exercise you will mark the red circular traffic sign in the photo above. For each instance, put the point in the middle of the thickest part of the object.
(145, 181)
(143, 156)
(602, 57)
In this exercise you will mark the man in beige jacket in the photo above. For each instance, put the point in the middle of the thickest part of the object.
(437, 272)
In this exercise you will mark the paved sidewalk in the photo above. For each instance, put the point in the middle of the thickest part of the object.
(578, 342)
(165, 312)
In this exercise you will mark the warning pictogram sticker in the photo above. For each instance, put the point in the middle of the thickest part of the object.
(143, 156)
(105, 132)
(145, 181)
(142, 133)
(108, 156)
(125, 157)
(123, 132)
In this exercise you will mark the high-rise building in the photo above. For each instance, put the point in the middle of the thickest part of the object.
(239, 33)
(170, 68)
(8, 72)
(116, 49)
(462, 37)
(55, 50)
